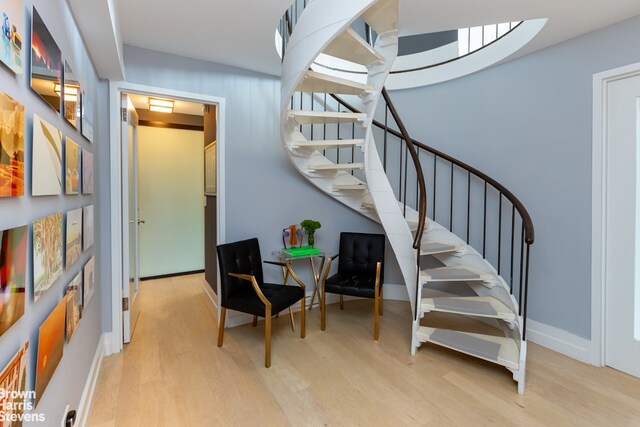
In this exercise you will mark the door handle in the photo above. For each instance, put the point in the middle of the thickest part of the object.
(141, 221)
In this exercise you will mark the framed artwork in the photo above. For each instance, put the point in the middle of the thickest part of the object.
(210, 169)
(47, 253)
(11, 146)
(87, 172)
(87, 227)
(74, 236)
(89, 281)
(13, 383)
(13, 273)
(46, 176)
(76, 285)
(73, 313)
(71, 96)
(87, 117)
(46, 63)
(72, 167)
(12, 34)
(50, 347)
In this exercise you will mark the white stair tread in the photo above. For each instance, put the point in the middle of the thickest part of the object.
(328, 143)
(382, 16)
(454, 273)
(472, 306)
(324, 83)
(302, 117)
(336, 167)
(350, 187)
(501, 350)
(433, 248)
(351, 47)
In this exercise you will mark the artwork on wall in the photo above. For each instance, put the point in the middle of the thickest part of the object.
(50, 347)
(74, 236)
(87, 117)
(13, 381)
(11, 146)
(76, 285)
(47, 253)
(73, 313)
(46, 63)
(71, 96)
(87, 172)
(13, 272)
(12, 34)
(72, 167)
(89, 281)
(87, 230)
(47, 159)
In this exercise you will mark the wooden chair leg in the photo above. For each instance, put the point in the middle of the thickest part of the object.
(267, 338)
(381, 301)
(293, 325)
(302, 318)
(255, 321)
(376, 320)
(341, 302)
(223, 313)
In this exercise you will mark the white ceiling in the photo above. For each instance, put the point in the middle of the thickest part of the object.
(141, 102)
(241, 32)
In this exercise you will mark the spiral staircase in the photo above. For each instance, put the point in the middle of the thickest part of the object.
(362, 179)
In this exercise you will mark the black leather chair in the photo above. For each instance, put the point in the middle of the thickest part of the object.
(360, 273)
(243, 289)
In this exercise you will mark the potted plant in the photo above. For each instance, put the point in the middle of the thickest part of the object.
(310, 226)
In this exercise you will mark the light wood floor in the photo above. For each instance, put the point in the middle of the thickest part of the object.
(172, 374)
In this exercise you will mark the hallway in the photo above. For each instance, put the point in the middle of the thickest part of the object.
(172, 374)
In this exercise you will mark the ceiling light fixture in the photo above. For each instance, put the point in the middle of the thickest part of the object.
(160, 105)
(70, 92)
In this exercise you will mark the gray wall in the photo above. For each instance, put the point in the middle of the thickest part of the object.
(528, 124)
(264, 193)
(69, 379)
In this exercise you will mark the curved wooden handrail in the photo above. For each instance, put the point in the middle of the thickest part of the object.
(524, 214)
(422, 207)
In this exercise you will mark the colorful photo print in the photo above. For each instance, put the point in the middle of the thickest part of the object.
(46, 63)
(13, 273)
(73, 313)
(72, 167)
(74, 236)
(87, 172)
(50, 347)
(71, 96)
(87, 117)
(76, 285)
(47, 159)
(87, 227)
(47, 253)
(89, 281)
(11, 146)
(12, 34)
(13, 381)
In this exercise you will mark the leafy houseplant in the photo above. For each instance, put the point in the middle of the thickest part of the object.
(310, 226)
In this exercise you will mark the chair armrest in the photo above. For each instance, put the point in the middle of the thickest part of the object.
(256, 288)
(289, 270)
(334, 257)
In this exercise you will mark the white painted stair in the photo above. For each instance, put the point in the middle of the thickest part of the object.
(324, 28)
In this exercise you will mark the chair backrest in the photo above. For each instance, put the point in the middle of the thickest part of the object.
(241, 257)
(360, 252)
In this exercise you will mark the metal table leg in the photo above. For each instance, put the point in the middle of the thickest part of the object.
(316, 280)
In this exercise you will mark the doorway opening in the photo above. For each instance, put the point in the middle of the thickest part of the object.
(167, 194)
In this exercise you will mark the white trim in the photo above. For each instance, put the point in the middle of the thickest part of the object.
(599, 198)
(84, 407)
(559, 341)
(115, 89)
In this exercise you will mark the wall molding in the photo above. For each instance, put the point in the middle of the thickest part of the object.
(559, 340)
(84, 406)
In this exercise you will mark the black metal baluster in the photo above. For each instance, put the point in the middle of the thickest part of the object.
(353, 151)
(468, 204)
(417, 189)
(513, 219)
(400, 175)
(451, 201)
(386, 131)
(521, 270)
(499, 232)
(338, 137)
(526, 298)
(484, 229)
(435, 165)
(406, 168)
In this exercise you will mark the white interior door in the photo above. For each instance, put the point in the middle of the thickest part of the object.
(622, 307)
(130, 219)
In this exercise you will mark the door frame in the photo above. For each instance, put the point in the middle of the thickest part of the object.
(115, 90)
(599, 231)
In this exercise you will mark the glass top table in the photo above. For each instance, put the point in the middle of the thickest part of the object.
(316, 273)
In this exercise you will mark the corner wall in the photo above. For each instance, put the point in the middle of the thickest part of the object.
(528, 124)
(69, 379)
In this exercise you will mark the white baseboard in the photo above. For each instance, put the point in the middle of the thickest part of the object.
(89, 387)
(559, 340)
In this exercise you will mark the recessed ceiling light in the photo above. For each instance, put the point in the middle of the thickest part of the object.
(160, 105)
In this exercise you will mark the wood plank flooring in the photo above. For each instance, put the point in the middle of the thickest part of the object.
(172, 374)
